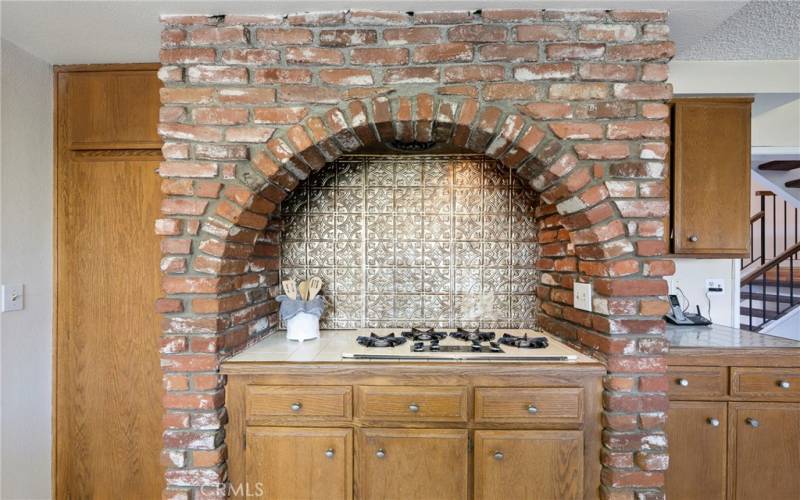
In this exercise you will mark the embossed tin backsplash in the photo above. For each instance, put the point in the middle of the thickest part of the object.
(401, 240)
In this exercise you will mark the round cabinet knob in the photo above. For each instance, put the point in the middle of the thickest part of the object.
(713, 422)
(784, 384)
(683, 382)
(296, 406)
(380, 453)
(694, 238)
(498, 455)
(532, 409)
(329, 453)
(413, 407)
(752, 422)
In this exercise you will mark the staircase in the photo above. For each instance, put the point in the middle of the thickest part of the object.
(790, 169)
(770, 285)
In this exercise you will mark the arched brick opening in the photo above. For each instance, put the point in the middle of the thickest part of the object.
(593, 150)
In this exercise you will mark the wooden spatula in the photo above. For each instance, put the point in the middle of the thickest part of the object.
(303, 289)
(290, 289)
(314, 286)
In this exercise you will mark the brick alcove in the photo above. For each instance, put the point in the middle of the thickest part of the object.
(573, 102)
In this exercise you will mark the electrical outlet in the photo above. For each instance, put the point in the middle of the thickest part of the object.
(715, 285)
(13, 297)
(582, 296)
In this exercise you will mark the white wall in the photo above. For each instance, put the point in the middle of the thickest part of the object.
(26, 220)
(690, 276)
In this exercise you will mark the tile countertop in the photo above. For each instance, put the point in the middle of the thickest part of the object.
(723, 337)
(333, 343)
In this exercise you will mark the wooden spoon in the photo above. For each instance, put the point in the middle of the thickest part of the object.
(314, 286)
(290, 289)
(303, 289)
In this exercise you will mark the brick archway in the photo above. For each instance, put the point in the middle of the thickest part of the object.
(592, 146)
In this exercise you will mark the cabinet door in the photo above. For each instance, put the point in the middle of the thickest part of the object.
(764, 450)
(297, 463)
(528, 464)
(412, 463)
(696, 432)
(711, 176)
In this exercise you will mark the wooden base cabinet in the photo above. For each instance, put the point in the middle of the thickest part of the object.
(423, 431)
(399, 464)
(298, 463)
(528, 464)
(728, 436)
(697, 448)
(765, 450)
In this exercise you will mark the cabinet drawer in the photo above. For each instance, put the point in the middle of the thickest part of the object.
(299, 402)
(539, 404)
(766, 383)
(697, 381)
(413, 403)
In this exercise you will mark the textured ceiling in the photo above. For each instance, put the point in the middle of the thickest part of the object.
(759, 30)
(69, 32)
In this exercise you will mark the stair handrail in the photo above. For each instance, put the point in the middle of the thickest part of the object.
(786, 255)
(758, 227)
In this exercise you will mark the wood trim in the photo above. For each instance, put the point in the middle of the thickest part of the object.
(759, 215)
(106, 146)
(54, 297)
(683, 98)
(706, 356)
(80, 68)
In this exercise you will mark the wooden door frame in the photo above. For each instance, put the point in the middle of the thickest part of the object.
(60, 157)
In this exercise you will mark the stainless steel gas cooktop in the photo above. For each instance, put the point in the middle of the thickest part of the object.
(439, 344)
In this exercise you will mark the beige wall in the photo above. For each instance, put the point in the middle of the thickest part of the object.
(776, 120)
(25, 257)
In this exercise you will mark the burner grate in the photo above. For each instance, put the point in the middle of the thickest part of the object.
(424, 334)
(472, 335)
(524, 342)
(380, 341)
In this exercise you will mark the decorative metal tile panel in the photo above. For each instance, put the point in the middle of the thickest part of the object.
(439, 240)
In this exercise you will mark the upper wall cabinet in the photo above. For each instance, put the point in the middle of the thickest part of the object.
(711, 176)
(117, 109)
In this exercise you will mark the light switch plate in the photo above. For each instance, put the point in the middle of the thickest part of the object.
(715, 285)
(13, 297)
(582, 296)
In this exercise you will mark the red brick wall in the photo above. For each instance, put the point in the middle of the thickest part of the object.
(572, 101)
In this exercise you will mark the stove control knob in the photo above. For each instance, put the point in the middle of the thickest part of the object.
(784, 384)
(752, 422)
(296, 406)
(329, 453)
(683, 382)
(532, 409)
(413, 407)
(498, 455)
(380, 453)
(713, 422)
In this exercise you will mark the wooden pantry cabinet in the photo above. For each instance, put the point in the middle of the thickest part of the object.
(710, 176)
(733, 430)
(397, 431)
